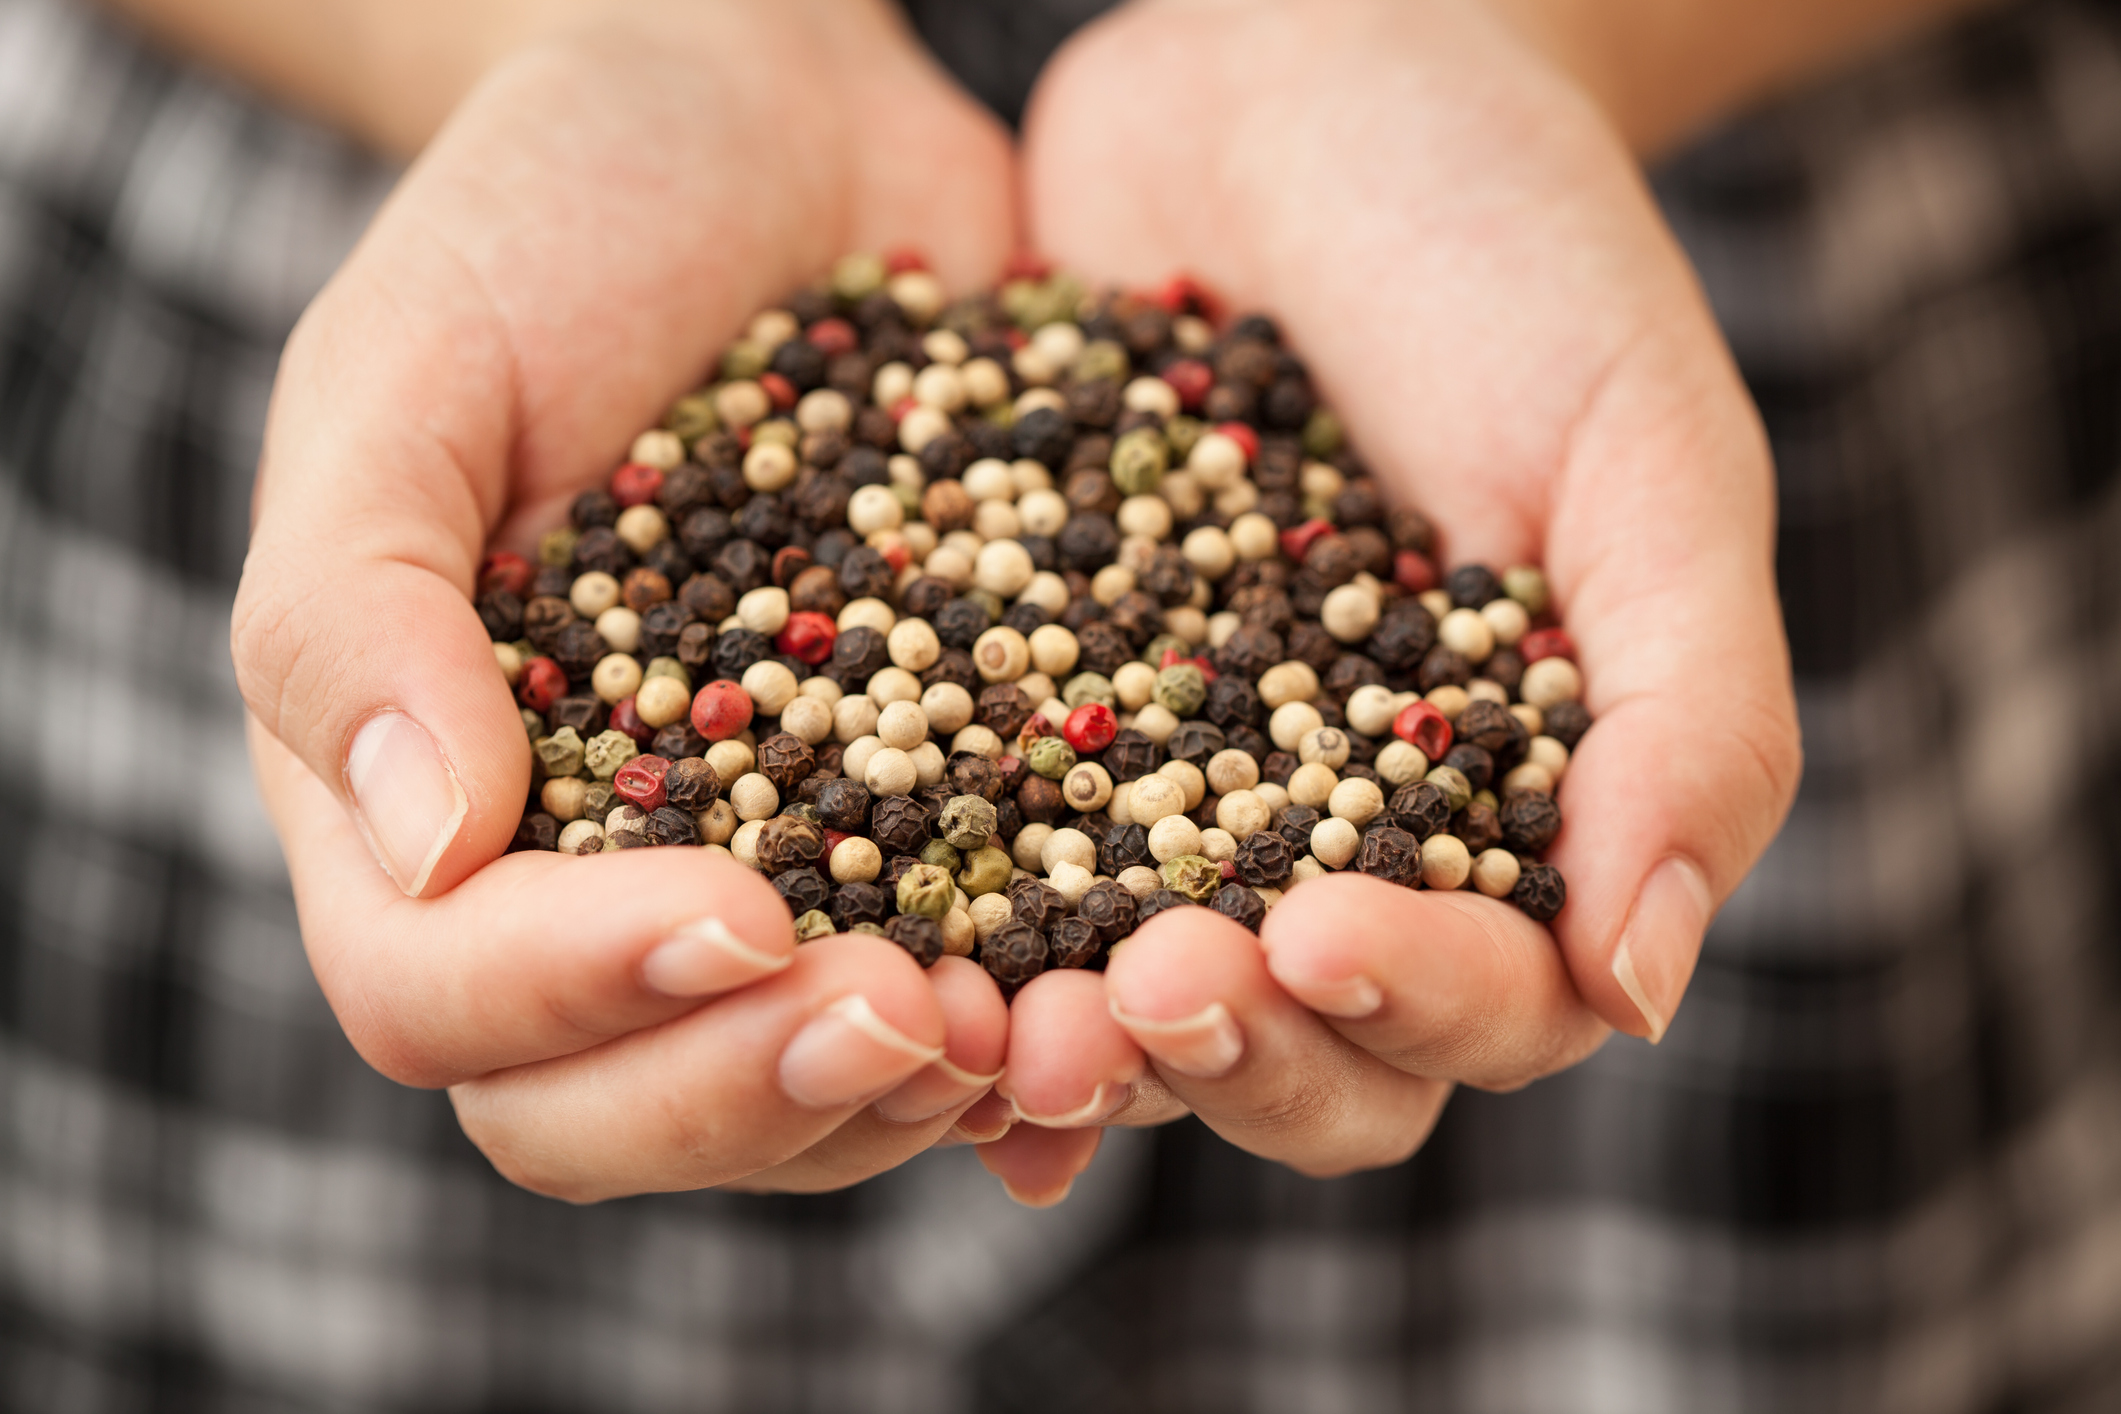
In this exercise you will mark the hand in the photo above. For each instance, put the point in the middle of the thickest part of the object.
(1451, 234)
(596, 221)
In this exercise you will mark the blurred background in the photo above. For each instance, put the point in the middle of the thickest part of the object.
(1875, 1166)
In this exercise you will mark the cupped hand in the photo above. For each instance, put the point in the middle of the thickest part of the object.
(600, 216)
(1454, 239)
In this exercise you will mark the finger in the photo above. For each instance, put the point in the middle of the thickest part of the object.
(743, 1083)
(982, 1122)
(1071, 1066)
(1449, 985)
(1258, 1067)
(977, 1042)
(537, 955)
(1037, 1166)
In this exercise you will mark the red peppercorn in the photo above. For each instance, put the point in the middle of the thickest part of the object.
(1242, 434)
(903, 406)
(1547, 643)
(807, 636)
(833, 336)
(625, 717)
(640, 781)
(1297, 543)
(1190, 379)
(1229, 870)
(1027, 265)
(1182, 294)
(1173, 658)
(905, 258)
(541, 685)
(1016, 337)
(897, 554)
(1413, 572)
(779, 389)
(1035, 727)
(743, 439)
(1090, 727)
(635, 484)
(721, 710)
(504, 570)
(833, 840)
(1427, 729)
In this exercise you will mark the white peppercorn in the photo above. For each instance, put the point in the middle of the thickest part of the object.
(1111, 583)
(987, 913)
(754, 797)
(980, 740)
(731, 758)
(806, 719)
(1243, 814)
(1038, 687)
(929, 763)
(1465, 631)
(1208, 550)
(1495, 872)
(1400, 763)
(1356, 800)
(1507, 620)
(890, 771)
(1449, 700)
(581, 837)
(1155, 722)
(854, 761)
(854, 717)
(1529, 776)
(1001, 654)
(1231, 769)
(1307, 867)
(592, 593)
(764, 610)
(1444, 862)
(1545, 751)
(1192, 782)
(1327, 746)
(856, 861)
(912, 644)
(616, 677)
(1312, 785)
(1172, 836)
(902, 725)
(1070, 846)
(867, 613)
(662, 700)
(1116, 809)
(744, 844)
(949, 707)
(1535, 721)
(562, 797)
(1054, 650)
(874, 508)
(1217, 844)
(1073, 880)
(1291, 722)
(1550, 682)
(717, 823)
(1349, 613)
(1288, 682)
(1134, 682)
(1086, 787)
(769, 466)
(642, 528)
(1026, 849)
(770, 685)
(1274, 797)
(1154, 797)
(889, 685)
(1140, 880)
(1334, 842)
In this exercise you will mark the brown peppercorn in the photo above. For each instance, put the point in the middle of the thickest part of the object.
(708, 596)
(1103, 647)
(816, 591)
(920, 936)
(1504, 668)
(1421, 809)
(643, 589)
(1250, 651)
(842, 805)
(1072, 942)
(543, 618)
(1529, 822)
(1138, 616)
(1240, 905)
(1109, 910)
(857, 903)
(1265, 860)
(1566, 722)
(1332, 559)
(970, 773)
(692, 784)
(946, 506)
(678, 742)
(1391, 854)
(1090, 489)
(1476, 765)
(1410, 530)
(1540, 892)
(668, 825)
(1310, 643)
(696, 648)
(1003, 708)
(1295, 824)
(586, 714)
(1036, 902)
(1478, 827)
(1040, 801)
(1484, 724)
(1278, 767)
(899, 824)
(1014, 953)
(1443, 667)
(789, 842)
(802, 889)
(1162, 901)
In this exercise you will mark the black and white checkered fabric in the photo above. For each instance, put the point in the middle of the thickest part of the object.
(1875, 1167)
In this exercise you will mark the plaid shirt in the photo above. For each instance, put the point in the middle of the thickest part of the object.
(1875, 1167)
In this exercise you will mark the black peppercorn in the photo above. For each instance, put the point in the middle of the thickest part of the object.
(1540, 892)
(1479, 827)
(1088, 542)
(709, 598)
(802, 889)
(1159, 902)
(1036, 902)
(952, 665)
(743, 565)
(1124, 847)
(1040, 801)
(1195, 741)
(1250, 651)
(584, 713)
(960, 622)
(704, 531)
(1233, 702)
(1566, 722)
(502, 614)
(843, 805)
(1169, 576)
(860, 903)
(1472, 586)
(1240, 905)
(1026, 617)
(925, 597)
(1402, 638)
(865, 574)
(1295, 824)
(1103, 646)
(1138, 616)
(1132, 756)
(737, 649)
(691, 784)
(1265, 860)
(858, 655)
(1014, 953)
(593, 508)
(601, 549)
(1391, 854)
(816, 591)
(678, 742)
(661, 628)
(1003, 709)
(1082, 611)
(789, 842)
(1443, 667)
(919, 935)
(1483, 724)
(1504, 668)
(1278, 767)
(1421, 809)
(577, 649)
(1109, 910)
(551, 582)
(1529, 822)
(1310, 643)
(1476, 765)
(785, 759)
(1072, 942)
(970, 773)
(1044, 435)
(899, 824)
(537, 830)
(1349, 672)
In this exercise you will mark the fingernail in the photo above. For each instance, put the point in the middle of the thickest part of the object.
(1657, 949)
(1349, 998)
(407, 801)
(705, 957)
(986, 1120)
(926, 1095)
(847, 1055)
(1103, 1103)
(1039, 1200)
(979, 1133)
(1204, 1045)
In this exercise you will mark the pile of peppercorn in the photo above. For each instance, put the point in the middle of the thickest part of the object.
(999, 626)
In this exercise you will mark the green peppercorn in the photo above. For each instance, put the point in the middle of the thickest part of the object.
(855, 276)
(1528, 586)
(693, 417)
(942, 854)
(1181, 690)
(746, 358)
(1183, 433)
(814, 924)
(990, 601)
(1457, 790)
(561, 753)
(1089, 687)
(1164, 643)
(1193, 875)
(968, 822)
(556, 547)
(607, 751)
(986, 871)
(909, 499)
(926, 890)
(599, 800)
(1051, 757)
(1102, 358)
(668, 668)
(874, 930)
(533, 725)
(1322, 434)
(1139, 460)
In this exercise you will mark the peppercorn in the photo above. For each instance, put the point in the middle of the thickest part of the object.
(1472, 586)
(920, 936)
(537, 830)
(967, 822)
(1443, 667)
(1193, 876)
(1240, 905)
(1072, 942)
(1181, 690)
(843, 805)
(1036, 903)
(813, 925)
(1295, 824)
(1402, 638)
(1040, 800)
(1162, 900)
(860, 902)
(1391, 854)
(926, 889)
(1476, 765)
(785, 760)
(1051, 757)
(1266, 859)
(1014, 953)
(1540, 892)
(1529, 822)
(1131, 756)
(1566, 722)
(789, 842)
(804, 890)
(858, 655)
(1278, 767)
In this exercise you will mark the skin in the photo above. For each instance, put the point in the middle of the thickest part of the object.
(1440, 202)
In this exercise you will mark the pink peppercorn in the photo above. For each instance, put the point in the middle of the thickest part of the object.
(903, 406)
(1425, 728)
(833, 840)
(541, 685)
(1090, 727)
(1173, 658)
(1413, 572)
(625, 717)
(504, 570)
(635, 484)
(1190, 379)
(833, 336)
(1547, 643)
(721, 710)
(1296, 543)
(640, 782)
(807, 636)
(1229, 869)
(779, 389)
(1242, 434)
